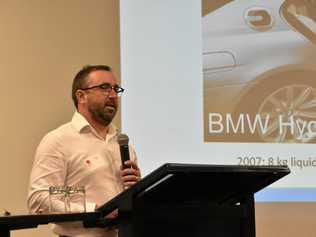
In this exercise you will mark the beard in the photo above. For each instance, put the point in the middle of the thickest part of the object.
(103, 113)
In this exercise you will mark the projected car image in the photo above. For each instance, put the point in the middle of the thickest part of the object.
(259, 71)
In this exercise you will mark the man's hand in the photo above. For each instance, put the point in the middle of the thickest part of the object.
(131, 174)
(112, 215)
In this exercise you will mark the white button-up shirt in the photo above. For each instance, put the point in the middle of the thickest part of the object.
(75, 155)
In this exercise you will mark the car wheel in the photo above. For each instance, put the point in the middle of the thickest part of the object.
(286, 108)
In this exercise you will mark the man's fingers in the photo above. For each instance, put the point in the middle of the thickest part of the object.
(130, 172)
(113, 214)
(129, 184)
(130, 178)
(131, 164)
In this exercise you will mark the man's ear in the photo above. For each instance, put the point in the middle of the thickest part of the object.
(81, 97)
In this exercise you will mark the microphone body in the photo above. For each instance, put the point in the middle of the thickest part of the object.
(122, 140)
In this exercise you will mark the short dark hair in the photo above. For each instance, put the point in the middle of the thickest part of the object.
(79, 81)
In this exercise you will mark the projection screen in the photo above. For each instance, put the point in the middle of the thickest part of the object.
(223, 82)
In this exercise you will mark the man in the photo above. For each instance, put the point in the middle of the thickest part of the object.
(84, 152)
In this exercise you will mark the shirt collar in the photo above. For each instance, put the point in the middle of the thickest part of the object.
(80, 124)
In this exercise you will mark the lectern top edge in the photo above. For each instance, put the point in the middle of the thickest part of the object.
(265, 174)
(177, 167)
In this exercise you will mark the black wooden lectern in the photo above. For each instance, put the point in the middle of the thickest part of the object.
(193, 200)
(176, 200)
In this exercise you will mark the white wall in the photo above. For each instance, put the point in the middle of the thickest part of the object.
(43, 44)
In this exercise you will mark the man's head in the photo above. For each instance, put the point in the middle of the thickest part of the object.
(95, 93)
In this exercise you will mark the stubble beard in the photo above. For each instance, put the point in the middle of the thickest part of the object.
(103, 115)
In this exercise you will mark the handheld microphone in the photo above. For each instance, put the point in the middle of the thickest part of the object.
(122, 140)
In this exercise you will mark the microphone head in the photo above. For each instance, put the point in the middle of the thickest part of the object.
(122, 139)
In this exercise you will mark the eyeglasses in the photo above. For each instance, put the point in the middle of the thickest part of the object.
(106, 87)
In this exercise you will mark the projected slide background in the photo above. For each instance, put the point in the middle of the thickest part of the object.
(173, 85)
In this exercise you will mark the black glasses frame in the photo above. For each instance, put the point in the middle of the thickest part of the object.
(107, 87)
